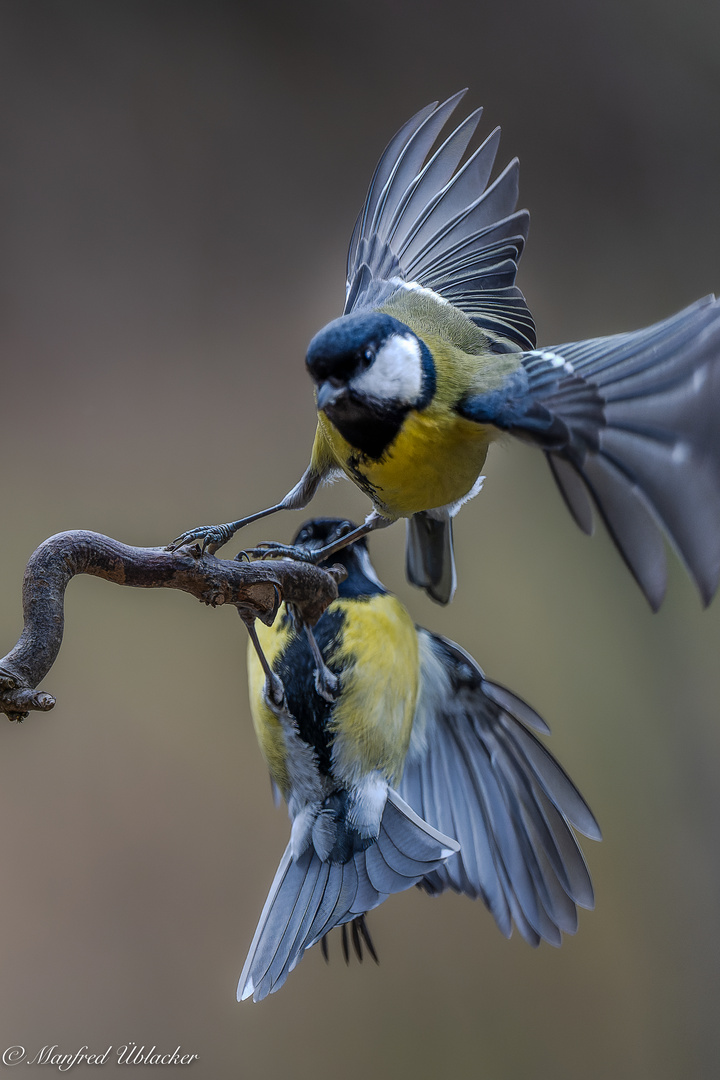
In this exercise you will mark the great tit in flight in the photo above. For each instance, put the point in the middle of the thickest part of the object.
(435, 357)
(419, 771)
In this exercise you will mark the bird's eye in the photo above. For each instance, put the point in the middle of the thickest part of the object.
(367, 357)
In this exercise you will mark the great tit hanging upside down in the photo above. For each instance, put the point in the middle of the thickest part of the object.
(420, 771)
(435, 357)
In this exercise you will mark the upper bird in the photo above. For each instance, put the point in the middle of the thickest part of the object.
(434, 358)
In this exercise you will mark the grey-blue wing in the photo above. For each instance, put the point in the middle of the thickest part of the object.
(428, 219)
(629, 423)
(476, 771)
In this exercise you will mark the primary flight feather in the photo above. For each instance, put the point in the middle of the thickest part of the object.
(435, 357)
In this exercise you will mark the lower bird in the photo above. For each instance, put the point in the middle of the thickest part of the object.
(401, 765)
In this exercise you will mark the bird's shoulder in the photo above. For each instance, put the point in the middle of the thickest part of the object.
(430, 316)
(468, 358)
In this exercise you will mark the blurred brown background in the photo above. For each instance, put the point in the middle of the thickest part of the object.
(178, 182)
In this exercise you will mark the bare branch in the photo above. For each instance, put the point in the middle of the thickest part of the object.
(256, 588)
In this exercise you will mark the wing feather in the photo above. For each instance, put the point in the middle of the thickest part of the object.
(629, 423)
(430, 220)
(476, 768)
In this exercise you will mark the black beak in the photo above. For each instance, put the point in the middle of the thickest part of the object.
(327, 394)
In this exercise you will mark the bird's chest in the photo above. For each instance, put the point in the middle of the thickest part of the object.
(434, 460)
(371, 645)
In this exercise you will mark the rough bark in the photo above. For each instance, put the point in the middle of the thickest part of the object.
(256, 589)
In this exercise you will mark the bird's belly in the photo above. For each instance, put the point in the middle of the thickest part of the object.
(377, 657)
(432, 462)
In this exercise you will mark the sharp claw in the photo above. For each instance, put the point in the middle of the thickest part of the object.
(326, 684)
(180, 541)
(275, 691)
(269, 549)
(211, 538)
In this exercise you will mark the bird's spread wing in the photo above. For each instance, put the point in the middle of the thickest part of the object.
(309, 897)
(632, 422)
(429, 221)
(476, 771)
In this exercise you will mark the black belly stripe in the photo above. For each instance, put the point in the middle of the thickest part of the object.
(296, 668)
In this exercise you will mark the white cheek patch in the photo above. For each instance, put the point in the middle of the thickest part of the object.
(396, 373)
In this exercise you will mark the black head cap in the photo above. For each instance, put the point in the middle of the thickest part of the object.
(362, 579)
(318, 532)
(348, 345)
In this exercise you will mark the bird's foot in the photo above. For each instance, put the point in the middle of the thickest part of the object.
(211, 537)
(271, 550)
(274, 692)
(327, 684)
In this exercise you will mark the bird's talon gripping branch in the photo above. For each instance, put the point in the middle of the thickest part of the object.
(255, 591)
(270, 550)
(211, 537)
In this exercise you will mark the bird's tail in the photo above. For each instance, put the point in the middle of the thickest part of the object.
(429, 558)
(309, 897)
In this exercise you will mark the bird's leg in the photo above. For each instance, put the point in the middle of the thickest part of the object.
(360, 936)
(274, 688)
(372, 522)
(363, 928)
(326, 683)
(212, 537)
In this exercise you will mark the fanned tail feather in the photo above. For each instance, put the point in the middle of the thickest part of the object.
(309, 897)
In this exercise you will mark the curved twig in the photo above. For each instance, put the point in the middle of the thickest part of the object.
(256, 588)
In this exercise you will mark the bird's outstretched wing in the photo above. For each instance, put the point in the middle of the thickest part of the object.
(429, 221)
(476, 771)
(309, 896)
(630, 423)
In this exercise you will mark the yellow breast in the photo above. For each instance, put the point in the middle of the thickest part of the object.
(435, 459)
(377, 655)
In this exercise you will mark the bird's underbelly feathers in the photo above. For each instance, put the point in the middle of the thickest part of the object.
(434, 460)
(376, 656)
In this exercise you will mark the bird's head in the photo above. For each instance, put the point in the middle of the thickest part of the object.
(369, 370)
(362, 579)
(318, 532)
